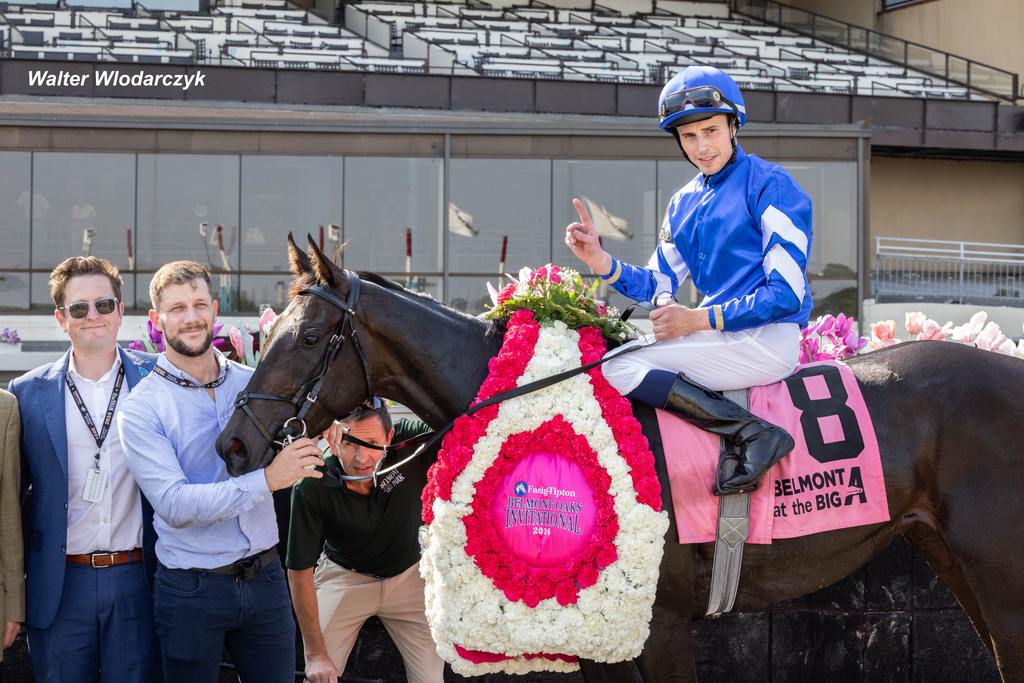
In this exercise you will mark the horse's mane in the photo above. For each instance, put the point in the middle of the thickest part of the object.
(494, 327)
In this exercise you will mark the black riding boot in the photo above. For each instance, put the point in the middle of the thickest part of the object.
(759, 443)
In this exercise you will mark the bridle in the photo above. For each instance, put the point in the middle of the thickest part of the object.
(305, 396)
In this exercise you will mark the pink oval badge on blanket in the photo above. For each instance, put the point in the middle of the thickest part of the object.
(544, 510)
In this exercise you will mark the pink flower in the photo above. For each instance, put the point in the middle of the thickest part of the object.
(932, 330)
(990, 338)
(915, 322)
(235, 335)
(968, 332)
(883, 333)
(506, 294)
(842, 326)
(883, 330)
(267, 319)
(825, 324)
(808, 349)
(602, 307)
(854, 341)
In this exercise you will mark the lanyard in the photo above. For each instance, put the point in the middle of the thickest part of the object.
(99, 436)
(188, 384)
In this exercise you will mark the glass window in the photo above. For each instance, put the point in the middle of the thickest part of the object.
(82, 203)
(182, 200)
(469, 294)
(834, 296)
(832, 187)
(14, 292)
(621, 197)
(260, 290)
(385, 197)
(15, 168)
(672, 176)
(301, 195)
(495, 198)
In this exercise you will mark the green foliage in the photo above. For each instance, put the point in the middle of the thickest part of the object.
(555, 293)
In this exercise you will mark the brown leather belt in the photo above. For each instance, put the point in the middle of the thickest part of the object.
(107, 559)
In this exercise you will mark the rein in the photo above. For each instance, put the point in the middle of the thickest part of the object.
(428, 439)
(306, 396)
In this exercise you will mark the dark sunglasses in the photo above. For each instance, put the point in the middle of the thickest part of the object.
(703, 96)
(80, 309)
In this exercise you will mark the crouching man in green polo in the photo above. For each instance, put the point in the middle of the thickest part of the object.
(353, 550)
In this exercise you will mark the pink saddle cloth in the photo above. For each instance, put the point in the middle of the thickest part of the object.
(832, 480)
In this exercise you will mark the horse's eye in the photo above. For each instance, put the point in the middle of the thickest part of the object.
(311, 338)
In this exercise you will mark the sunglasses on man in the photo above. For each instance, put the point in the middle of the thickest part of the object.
(80, 309)
(702, 96)
(373, 403)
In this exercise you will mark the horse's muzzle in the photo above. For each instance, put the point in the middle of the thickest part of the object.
(235, 456)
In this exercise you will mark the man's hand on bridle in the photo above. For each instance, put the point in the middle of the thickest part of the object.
(295, 461)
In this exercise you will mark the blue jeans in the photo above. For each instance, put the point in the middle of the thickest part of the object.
(103, 629)
(198, 612)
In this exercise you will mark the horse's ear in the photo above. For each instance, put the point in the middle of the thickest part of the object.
(325, 271)
(299, 261)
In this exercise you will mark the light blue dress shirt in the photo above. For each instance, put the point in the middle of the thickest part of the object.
(204, 518)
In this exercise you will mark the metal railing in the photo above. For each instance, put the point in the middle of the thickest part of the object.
(988, 80)
(946, 271)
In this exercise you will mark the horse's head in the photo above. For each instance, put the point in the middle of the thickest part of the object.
(311, 371)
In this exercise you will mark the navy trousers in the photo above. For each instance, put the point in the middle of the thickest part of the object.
(198, 612)
(103, 629)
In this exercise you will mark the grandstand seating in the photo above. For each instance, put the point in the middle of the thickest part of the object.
(627, 41)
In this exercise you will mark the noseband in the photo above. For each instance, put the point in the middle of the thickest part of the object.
(306, 395)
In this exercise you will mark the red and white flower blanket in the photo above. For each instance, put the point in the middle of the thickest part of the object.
(543, 523)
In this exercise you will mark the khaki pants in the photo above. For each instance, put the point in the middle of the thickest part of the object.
(345, 599)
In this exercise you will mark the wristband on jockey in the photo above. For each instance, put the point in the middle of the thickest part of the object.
(614, 274)
(715, 317)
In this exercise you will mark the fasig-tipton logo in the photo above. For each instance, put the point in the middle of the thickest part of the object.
(521, 488)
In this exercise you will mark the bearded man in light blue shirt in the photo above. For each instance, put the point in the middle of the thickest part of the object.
(219, 580)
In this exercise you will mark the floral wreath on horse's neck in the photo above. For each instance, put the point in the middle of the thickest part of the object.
(555, 293)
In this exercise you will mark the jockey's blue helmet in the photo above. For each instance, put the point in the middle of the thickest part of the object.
(698, 93)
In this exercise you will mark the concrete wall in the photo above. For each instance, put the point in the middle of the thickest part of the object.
(956, 27)
(980, 201)
(1009, 319)
(859, 12)
(942, 24)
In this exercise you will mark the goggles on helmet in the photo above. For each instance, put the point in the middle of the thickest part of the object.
(704, 96)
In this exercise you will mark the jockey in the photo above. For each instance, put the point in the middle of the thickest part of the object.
(741, 229)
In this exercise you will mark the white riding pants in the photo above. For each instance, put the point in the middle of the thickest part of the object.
(715, 359)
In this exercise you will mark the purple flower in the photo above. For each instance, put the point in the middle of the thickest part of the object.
(135, 345)
(155, 335)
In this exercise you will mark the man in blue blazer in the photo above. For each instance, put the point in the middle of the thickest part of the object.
(88, 531)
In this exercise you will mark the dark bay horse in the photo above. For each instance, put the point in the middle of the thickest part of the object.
(949, 421)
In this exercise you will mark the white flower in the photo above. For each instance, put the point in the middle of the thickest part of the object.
(610, 621)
